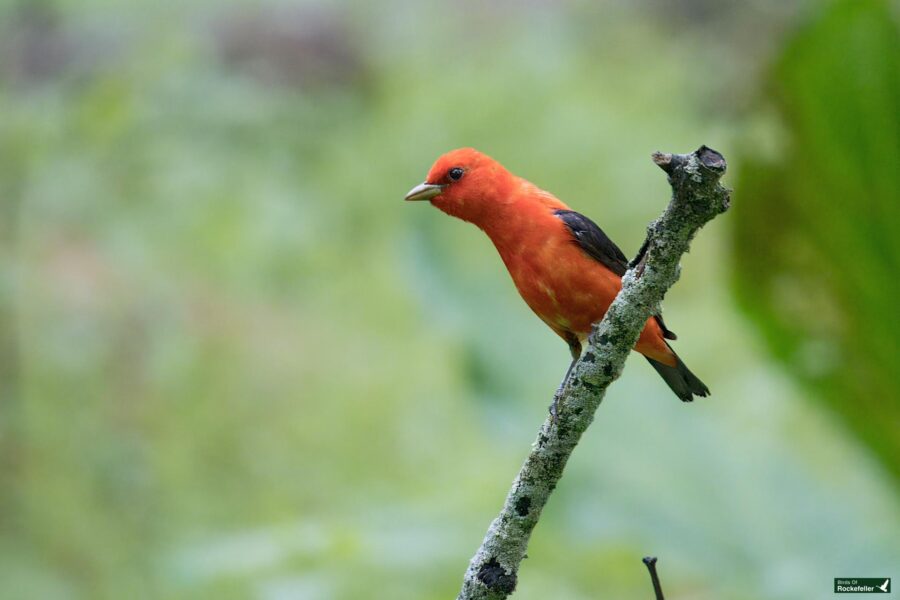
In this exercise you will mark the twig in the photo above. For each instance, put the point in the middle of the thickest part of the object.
(697, 197)
(650, 561)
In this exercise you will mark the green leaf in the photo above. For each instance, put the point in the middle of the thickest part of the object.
(817, 245)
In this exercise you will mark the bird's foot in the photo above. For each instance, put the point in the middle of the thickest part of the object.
(554, 406)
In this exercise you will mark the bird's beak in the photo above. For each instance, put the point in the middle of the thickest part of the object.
(424, 191)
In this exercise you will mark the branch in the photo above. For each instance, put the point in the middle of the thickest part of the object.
(650, 561)
(697, 197)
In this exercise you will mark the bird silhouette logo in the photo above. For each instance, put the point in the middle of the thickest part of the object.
(885, 587)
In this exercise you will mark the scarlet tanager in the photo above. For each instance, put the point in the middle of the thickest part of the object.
(564, 266)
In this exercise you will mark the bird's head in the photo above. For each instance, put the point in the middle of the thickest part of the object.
(467, 184)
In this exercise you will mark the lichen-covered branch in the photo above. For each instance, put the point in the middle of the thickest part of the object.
(697, 197)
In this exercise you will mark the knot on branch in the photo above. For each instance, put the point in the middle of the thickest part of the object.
(695, 177)
(496, 578)
(707, 157)
(711, 159)
(523, 505)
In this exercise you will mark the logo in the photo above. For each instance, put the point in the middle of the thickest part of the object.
(862, 585)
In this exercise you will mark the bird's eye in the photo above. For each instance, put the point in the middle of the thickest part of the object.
(455, 174)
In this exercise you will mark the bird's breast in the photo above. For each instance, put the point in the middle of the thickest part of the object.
(566, 288)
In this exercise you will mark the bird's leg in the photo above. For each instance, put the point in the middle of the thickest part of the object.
(559, 391)
(575, 350)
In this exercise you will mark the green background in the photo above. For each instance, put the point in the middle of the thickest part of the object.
(235, 364)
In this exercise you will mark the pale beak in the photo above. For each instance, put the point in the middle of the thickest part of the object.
(424, 191)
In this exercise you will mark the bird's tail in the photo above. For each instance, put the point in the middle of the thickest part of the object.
(684, 383)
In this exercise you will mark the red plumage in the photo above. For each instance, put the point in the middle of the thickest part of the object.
(555, 272)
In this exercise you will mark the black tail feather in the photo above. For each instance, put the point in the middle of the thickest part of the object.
(684, 383)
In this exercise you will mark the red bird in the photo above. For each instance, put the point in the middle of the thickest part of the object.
(565, 268)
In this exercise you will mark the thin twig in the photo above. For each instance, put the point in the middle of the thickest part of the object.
(650, 561)
(697, 198)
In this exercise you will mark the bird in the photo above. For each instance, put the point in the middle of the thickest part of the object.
(563, 265)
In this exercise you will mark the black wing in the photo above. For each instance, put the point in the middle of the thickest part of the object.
(594, 241)
(598, 246)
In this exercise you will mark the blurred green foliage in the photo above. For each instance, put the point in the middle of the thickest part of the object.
(235, 364)
(817, 235)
